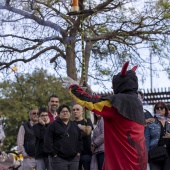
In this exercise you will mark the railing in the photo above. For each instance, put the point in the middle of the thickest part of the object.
(151, 96)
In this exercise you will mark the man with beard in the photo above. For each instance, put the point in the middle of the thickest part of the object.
(53, 104)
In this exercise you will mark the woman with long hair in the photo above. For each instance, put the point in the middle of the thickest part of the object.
(157, 136)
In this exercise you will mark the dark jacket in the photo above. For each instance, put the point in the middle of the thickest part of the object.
(39, 131)
(29, 139)
(65, 146)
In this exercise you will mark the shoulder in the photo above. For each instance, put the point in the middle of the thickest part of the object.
(152, 124)
(88, 121)
(54, 123)
(73, 123)
(25, 124)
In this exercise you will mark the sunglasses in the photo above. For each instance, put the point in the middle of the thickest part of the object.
(161, 107)
(34, 113)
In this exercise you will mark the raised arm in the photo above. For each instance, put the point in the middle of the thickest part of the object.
(92, 103)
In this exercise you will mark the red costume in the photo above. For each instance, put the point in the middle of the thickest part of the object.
(124, 140)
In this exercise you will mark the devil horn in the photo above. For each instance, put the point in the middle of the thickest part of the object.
(134, 68)
(124, 69)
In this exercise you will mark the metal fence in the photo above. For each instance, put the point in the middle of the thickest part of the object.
(151, 96)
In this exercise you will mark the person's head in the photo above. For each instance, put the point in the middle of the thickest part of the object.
(125, 81)
(140, 96)
(43, 114)
(33, 115)
(53, 103)
(77, 112)
(64, 112)
(161, 109)
(96, 118)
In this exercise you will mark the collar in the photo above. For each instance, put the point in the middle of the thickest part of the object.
(31, 123)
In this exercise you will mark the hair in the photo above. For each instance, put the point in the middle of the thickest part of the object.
(53, 95)
(42, 110)
(168, 106)
(142, 95)
(36, 108)
(162, 104)
(95, 119)
(63, 106)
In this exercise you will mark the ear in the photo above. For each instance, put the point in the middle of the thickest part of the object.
(134, 68)
(124, 69)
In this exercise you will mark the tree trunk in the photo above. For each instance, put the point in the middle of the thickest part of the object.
(71, 61)
(88, 48)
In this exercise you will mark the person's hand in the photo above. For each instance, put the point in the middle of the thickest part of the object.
(27, 156)
(81, 126)
(92, 149)
(41, 121)
(167, 135)
(168, 120)
(150, 120)
(78, 154)
(67, 82)
(48, 120)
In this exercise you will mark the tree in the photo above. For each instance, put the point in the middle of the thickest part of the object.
(112, 31)
(27, 91)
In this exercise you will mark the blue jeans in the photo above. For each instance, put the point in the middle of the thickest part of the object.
(59, 163)
(85, 161)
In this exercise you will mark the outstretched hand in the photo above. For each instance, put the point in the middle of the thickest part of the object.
(67, 82)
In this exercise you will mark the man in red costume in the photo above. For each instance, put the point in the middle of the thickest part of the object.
(125, 147)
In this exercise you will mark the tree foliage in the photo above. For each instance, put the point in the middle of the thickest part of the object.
(27, 91)
(113, 31)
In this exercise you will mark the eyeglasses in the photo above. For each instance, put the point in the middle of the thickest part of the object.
(161, 107)
(34, 113)
(76, 109)
(65, 111)
(44, 115)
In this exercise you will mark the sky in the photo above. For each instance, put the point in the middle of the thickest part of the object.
(160, 79)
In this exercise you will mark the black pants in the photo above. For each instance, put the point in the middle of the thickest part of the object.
(162, 165)
(85, 161)
(100, 160)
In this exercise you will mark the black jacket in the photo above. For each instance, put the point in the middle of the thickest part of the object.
(39, 131)
(65, 146)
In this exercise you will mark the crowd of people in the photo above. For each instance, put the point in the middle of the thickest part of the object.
(123, 135)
